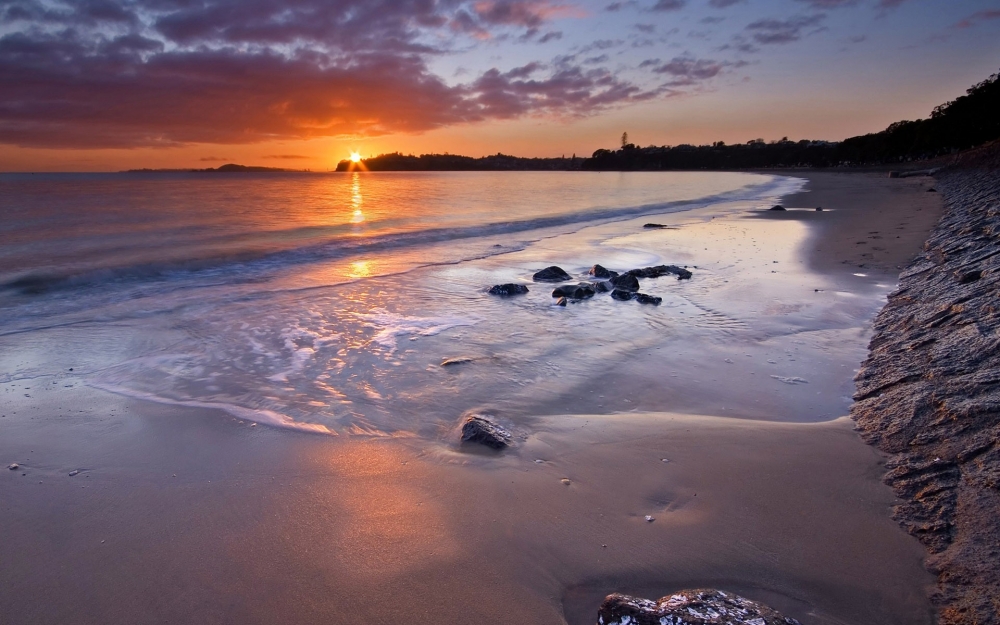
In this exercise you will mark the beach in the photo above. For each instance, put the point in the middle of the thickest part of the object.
(724, 419)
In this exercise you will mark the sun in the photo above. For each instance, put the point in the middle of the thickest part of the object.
(355, 157)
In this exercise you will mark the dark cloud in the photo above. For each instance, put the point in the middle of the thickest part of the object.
(687, 70)
(287, 157)
(644, 28)
(977, 17)
(618, 6)
(722, 4)
(829, 4)
(668, 5)
(774, 31)
(890, 4)
(97, 73)
(712, 19)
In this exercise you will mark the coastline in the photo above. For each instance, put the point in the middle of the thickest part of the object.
(926, 396)
(265, 525)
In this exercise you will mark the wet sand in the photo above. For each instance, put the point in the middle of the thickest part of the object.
(189, 515)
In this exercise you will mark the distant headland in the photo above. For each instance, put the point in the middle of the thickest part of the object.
(228, 168)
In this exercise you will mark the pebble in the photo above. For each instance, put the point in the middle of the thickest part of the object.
(565, 481)
(649, 519)
(14, 466)
(539, 461)
(73, 472)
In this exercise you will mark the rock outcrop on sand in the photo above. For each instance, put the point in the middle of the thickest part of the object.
(929, 395)
(689, 607)
(482, 430)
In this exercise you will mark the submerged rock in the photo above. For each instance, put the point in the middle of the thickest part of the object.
(458, 360)
(625, 282)
(622, 296)
(777, 207)
(481, 430)
(601, 287)
(551, 274)
(579, 291)
(506, 290)
(600, 272)
(561, 301)
(642, 298)
(689, 607)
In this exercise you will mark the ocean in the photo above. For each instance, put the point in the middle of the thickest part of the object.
(328, 302)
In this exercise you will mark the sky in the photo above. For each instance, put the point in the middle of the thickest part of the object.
(105, 85)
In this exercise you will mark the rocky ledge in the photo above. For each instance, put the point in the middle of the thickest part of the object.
(689, 607)
(929, 395)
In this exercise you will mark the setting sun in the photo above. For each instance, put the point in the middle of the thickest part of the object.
(355, 157)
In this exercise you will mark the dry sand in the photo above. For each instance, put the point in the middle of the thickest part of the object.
(184, 515)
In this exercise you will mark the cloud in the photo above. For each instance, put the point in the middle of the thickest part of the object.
(214, 159)
(687, 70)
(977, 17)
(288, 157)
(829, 4)
(129, 73)
(668, 5)
(722, 4)
(774, 31)
(569, 91)
(890, 4)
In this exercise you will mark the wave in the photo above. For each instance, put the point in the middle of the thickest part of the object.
(249, 265)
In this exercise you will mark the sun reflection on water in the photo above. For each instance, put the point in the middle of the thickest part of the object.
(356, 199)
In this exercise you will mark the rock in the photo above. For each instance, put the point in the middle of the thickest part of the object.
(625, 282)
(656, 226)
(819, 209)
(932, 190)
(579, 291)
(622, 296)
(649, 518)
(458, 360)
(551, 274)
(777, 207)
(689, 607)
(661, 270)
(894, 174)
(600, 272)
(13, 466)
(601, 287)
(506, 290)
(481, 430)
(561, 301)
(642, 298)
(565, 481)
(74, 472)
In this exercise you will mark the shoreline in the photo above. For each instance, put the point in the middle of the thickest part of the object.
(926, 396)
(264, 525)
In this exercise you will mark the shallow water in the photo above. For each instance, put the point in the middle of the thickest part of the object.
(328, 302)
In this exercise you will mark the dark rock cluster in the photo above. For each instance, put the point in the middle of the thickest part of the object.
(622, 286)
(689, 607)
(929, 395)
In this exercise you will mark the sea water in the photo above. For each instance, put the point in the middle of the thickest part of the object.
(328, 302)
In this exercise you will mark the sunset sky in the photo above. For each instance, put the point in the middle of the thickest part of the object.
(97, 85)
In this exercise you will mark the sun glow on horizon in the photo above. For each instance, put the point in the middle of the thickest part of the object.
(355, 157)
